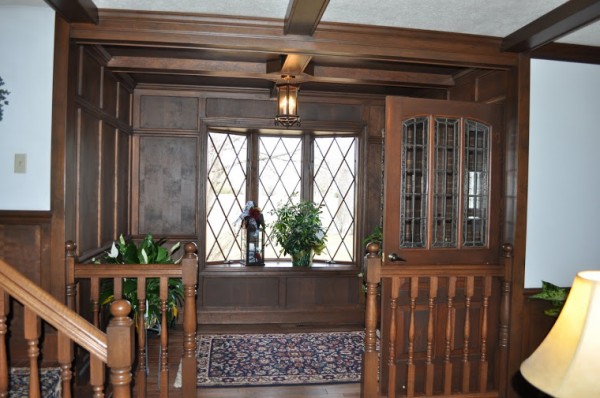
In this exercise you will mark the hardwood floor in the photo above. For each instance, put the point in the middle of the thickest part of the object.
(175, 344)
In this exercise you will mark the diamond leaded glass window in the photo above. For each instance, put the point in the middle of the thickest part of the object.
(283, 175)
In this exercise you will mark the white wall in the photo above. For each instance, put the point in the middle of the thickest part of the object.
(26, 58)
(563, 212)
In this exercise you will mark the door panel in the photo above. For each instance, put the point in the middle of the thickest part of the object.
(442, 182)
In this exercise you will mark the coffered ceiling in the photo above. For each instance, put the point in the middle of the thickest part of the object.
(516, 26)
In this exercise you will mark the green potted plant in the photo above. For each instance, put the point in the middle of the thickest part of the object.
(556, 295)
(298, 231)
(147, 252)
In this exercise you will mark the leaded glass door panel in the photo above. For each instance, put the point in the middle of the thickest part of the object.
(442, 181)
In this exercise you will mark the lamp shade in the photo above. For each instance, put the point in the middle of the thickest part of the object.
(567, 363)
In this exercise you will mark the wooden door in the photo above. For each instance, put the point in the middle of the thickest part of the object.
(442, 271)
(442, 182)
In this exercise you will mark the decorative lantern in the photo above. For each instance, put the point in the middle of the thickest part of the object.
(253, 248)
(253, 235)
(287, 104)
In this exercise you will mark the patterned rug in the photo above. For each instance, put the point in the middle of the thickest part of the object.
(49, 380)
(279, 359)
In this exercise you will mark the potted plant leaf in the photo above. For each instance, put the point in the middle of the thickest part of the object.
(556, 295)
(148, 251)
(299, 232)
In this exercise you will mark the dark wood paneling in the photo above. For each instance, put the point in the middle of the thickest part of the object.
(492, 86)
(25, 244)
(109, 93)
(279, 295)
(124, 111)
(168, 174)
(169, 113)
(122, 195)
(313, 292)
(238, 108)
(240, 292)
(88, 175)
(91, 76)
(107, 184)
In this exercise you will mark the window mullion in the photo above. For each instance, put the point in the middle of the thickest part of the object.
(252, 167)
(307, 166)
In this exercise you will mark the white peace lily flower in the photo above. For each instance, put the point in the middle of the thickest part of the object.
(145, 256)
(113, 251)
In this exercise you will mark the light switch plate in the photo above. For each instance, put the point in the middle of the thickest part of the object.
(20, 163)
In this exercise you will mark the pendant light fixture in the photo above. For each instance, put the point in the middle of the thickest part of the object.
(287, 103)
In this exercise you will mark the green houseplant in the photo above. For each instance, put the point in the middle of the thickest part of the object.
(556, 295)
(148, 251)
(298, 231)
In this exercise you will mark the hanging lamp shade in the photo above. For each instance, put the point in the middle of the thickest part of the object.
(567, 363)
(287, 105)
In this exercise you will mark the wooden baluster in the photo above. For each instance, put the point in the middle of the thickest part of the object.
(410, 368)
(433, 287)
(71, 287)
(97, 377)
(483, 363)
(140, 378)
(164, 339)
(189, 269)
(120, 348)
(3, 352)
(95, 300)
(449, 336)
(118, 288)
(65, 360)
(469, 289)
(392, 342)
(32, 335)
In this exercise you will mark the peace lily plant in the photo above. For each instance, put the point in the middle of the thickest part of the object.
(147, 252)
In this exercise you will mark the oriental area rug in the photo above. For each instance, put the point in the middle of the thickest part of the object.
(279, 359)
(49, 382)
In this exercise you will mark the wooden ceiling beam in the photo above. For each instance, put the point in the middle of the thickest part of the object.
(291, 65)
(570, 16)
(72, 11)
(303, 16)
(331, 74)
(257, 70)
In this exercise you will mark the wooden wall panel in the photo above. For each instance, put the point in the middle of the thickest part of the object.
(122, 206)
(168, 174)
(25, 244)
(110, 89)
(90, 80)
(240, 292)
(107, 184)
(99, 142)
(170, 113)
(124, 110)
(315, 291)
(88, 179)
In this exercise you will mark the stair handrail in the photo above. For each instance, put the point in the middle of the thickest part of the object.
(51, 310)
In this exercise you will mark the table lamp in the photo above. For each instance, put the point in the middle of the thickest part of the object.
(567, 363)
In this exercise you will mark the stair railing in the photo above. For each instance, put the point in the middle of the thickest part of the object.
(112, 348)
(187, 271)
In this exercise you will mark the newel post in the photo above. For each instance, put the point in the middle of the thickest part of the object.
(370, 356)
(120, 348)
(189, 265)
(504, 332)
